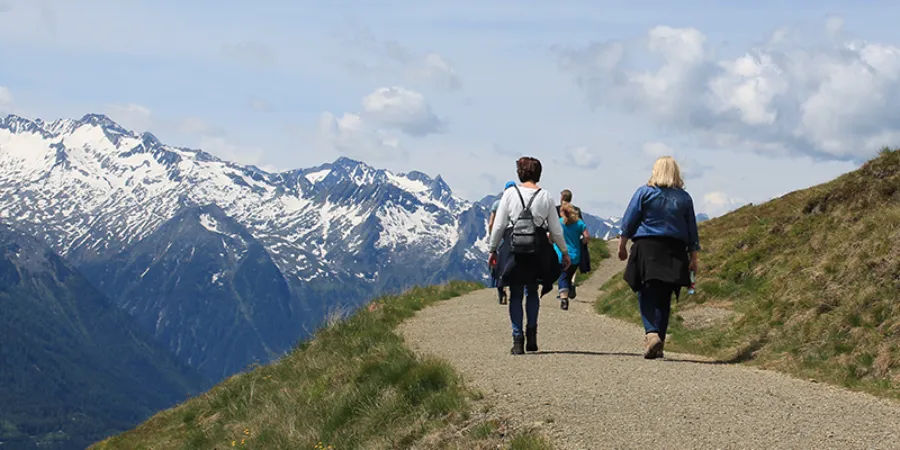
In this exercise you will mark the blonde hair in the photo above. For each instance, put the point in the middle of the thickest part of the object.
(569, 213)
(666, 174)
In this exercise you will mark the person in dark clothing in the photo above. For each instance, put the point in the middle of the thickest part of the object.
(524, 272)
(661, 223)
(495, 276)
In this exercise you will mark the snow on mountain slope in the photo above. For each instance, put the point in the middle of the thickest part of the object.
(92, 188)
(225, 263)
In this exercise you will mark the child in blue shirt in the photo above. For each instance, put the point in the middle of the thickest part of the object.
(573, 230)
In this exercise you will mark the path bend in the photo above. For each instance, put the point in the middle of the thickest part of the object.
(589, 387)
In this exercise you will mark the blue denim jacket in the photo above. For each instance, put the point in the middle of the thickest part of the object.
(665, 212)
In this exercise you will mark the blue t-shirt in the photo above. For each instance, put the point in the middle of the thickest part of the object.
(573, 233)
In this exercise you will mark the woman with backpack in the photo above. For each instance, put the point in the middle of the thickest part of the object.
(574, 232)
(661, 223)
(525, 215)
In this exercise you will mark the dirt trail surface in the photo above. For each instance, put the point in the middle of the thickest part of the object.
(589, 388)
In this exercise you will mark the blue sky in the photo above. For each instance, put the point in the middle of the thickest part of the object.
(754, 98)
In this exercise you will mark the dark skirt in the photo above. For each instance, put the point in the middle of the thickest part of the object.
(527, 270)
(660, 259)
(584, 264)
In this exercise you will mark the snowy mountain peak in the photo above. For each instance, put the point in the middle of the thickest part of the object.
(101, 120)
(17, 124)
(95, 188)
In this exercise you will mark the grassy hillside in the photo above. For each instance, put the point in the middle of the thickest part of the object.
(355, 385)
(599, 251)
(808, 283)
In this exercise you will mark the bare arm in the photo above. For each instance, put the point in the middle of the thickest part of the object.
(623, 247)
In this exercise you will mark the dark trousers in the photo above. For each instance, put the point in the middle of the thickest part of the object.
(532, 306)
(655, 301)
(566, 280)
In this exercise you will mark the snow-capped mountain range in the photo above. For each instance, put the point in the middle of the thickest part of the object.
(109, 200)
(227, 263)
(78, 181)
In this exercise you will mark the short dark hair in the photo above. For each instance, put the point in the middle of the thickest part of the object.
(529, 169)
(566, 196)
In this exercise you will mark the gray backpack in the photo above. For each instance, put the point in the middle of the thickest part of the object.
(524, 240)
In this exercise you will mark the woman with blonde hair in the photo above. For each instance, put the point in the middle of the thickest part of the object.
(661, 223)
(574, 232)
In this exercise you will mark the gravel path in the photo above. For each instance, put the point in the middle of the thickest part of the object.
(589, 388)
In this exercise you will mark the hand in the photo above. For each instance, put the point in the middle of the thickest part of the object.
(623, 253)
(694, 264)
(492, 259)
(566, 261)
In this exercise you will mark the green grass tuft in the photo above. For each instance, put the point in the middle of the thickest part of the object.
(599, 251)
(529, 441)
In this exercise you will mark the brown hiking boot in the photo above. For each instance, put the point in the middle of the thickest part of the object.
(652, 346)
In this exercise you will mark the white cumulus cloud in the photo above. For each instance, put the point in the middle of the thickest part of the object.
(396, 107)
(691, 168)
(831, 97)
(717, 203)
(434, 69)
(582, 157)
(351, 135)
(369, 55)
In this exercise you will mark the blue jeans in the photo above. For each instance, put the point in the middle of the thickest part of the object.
(655, 301)
(532, 305)
(566, 278)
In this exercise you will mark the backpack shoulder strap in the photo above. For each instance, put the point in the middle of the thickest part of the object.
(522, 199)
(532, 198)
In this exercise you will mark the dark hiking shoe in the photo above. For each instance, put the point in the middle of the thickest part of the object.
(564, 304)
(518, 347)
(572, 293)
(531, 339)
